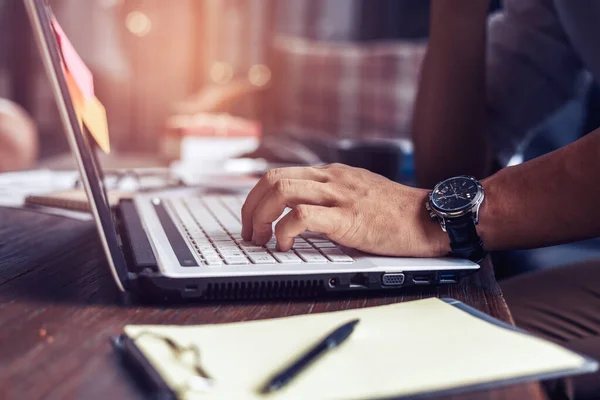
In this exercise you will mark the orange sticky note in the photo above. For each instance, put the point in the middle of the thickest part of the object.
(76, 96)
(94, 117)
(74, 64)
(81, 88)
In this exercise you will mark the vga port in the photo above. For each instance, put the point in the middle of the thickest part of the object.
(392, 279)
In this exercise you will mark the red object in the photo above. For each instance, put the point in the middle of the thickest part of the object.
(73, 62)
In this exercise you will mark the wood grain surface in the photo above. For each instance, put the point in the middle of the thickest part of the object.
(59, 307)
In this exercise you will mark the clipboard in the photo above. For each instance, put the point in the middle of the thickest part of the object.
(151, 380)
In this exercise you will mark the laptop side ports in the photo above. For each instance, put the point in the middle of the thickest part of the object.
(392, 279)
(421, 279)
(359, 281)
(447, 278)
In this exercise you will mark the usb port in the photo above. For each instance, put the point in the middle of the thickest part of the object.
(421, 279)
(448, 278)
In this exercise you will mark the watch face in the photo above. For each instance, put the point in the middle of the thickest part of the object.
(454, 194)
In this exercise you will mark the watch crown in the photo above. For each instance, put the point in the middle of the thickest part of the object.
(427, 206)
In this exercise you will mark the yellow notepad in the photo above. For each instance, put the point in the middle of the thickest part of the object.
(74, 199)
(396, 350)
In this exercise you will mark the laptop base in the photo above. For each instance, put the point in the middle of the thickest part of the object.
(147, 281)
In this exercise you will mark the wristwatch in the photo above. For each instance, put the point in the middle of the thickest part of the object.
(454, 203)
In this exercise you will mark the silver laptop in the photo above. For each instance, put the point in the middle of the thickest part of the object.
(187, 243)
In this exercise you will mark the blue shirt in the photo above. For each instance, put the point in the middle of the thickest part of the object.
(537, 51)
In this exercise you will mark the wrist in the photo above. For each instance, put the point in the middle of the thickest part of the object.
(436, 241)
(454, 204)
(488, 214)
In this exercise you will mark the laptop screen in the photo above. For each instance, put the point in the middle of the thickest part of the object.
(40, 16)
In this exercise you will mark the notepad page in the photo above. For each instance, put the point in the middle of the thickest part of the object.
(395, 350)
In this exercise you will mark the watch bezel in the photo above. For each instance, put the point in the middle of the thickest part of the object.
(473, 205)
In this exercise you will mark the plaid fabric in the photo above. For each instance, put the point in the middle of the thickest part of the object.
(327, 90)
(324, 20)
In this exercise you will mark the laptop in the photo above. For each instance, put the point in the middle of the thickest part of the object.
(187, 244)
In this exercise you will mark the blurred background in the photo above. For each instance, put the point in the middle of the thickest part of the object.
(309, 76)
(301, 70)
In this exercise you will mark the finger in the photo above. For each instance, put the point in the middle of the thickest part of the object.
(266, 183)
(304, 217)
(287, 193)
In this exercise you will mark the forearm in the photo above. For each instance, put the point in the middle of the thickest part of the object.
(449, 119)
(549, 200)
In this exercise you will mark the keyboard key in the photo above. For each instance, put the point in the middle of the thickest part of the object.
(205, 248)
(236, 260)
(210, 254)
(223, 245)
(255, 249)
(302, 246)
(195, 232)
(261, 258)
(221, 238)
(311, 256)
(214, 232)
(232, 253)
(232, 204)
(199, 238)
(336, 250)
(337, 256)
(287, 258)
(325, 245)
(226, 247)
(225, 217)
(313, 241)
(213, 262)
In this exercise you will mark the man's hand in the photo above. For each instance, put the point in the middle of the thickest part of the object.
(352, 206)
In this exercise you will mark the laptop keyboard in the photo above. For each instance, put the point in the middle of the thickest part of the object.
(213, 227)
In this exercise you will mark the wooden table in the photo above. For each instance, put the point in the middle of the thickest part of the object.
(59, 307)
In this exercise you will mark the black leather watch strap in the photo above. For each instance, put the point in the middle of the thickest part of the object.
(464, 240)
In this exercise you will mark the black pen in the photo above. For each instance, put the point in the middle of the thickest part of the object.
(331, 341)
